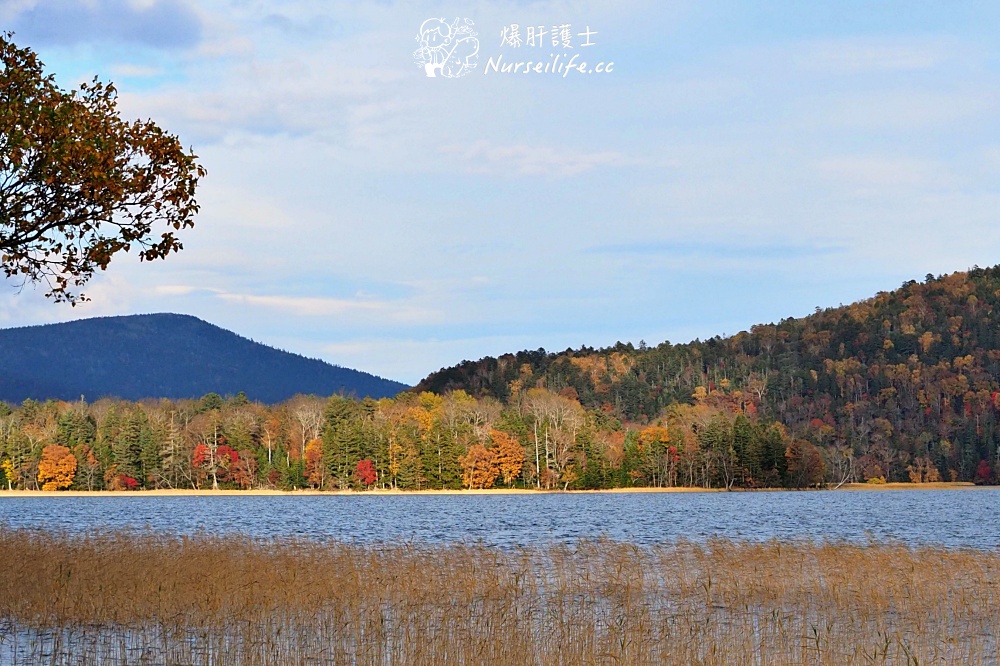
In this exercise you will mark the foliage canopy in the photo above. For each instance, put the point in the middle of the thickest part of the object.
(78, 184)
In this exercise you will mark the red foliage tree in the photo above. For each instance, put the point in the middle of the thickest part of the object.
(200, 454)
(226, 458)
(365, 472)
(274, 476)
(244, 469)
(218, 464)
(984, 474)
(123, 482)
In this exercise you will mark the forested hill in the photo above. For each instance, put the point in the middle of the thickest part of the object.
(162, 356)
(914, 372)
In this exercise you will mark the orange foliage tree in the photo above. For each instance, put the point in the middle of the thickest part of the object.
(315, 469)
(57, 467)
(479, 467)
(508, 454)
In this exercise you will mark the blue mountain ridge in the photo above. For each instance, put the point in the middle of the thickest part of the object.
(163, 356)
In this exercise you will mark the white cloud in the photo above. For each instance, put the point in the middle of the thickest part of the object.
(174, 289)
(529, 160)
(385, 312)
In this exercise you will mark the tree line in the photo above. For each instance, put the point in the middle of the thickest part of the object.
(416, 441)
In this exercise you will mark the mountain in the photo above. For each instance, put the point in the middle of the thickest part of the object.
(162, 356)
(905, 375)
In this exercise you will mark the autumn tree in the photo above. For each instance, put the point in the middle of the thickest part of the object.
(18, 466)
(78, 184)
(226, 459)
(270, 432)
(402, 425)
(10, 472)
(56, 468)
(243, 472)
(113, 480)
(479, 467)
(923, 470)
(508, 455)
(364, 473)
(806, 466)
(315, 467)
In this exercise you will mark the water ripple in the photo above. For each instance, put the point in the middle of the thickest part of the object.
(952, 518)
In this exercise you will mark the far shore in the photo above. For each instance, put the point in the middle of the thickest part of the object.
(207, 492)
(935, 485)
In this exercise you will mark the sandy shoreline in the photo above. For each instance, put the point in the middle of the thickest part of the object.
(204, 492)
(182, 492)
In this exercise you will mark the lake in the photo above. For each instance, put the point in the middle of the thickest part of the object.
(952, 518)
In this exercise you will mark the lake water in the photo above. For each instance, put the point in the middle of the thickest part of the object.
(953, 518)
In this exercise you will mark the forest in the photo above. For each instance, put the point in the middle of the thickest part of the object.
(904, 386)
(416, 441)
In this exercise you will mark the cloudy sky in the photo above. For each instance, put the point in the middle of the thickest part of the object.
(741, 163)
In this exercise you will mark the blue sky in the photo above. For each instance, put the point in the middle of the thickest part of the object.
(742, 163)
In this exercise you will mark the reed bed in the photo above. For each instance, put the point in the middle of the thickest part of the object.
(154, 599)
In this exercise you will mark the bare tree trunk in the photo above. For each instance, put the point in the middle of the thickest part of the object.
(538, 469)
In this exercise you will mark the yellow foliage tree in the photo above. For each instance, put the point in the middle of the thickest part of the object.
(653, 435)
(11, 472)
(923, 470)
(57, 467)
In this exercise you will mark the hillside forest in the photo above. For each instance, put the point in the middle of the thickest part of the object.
(904, 386)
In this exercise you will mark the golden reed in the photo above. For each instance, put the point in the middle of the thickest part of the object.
(130, 598)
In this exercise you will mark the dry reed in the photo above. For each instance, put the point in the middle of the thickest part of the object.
(153, 599)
